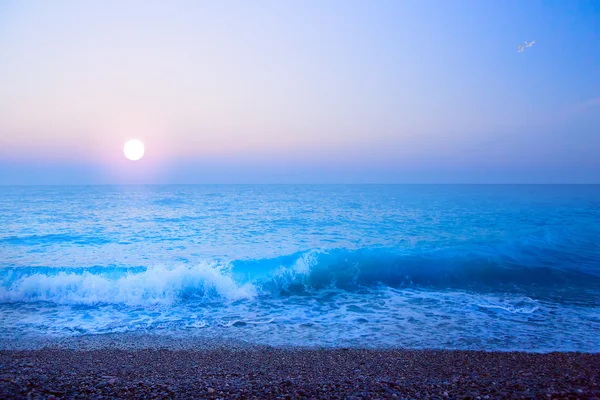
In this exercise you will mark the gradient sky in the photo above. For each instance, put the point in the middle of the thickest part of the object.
(316, 91)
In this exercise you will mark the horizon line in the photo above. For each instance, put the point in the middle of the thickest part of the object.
(308, 184)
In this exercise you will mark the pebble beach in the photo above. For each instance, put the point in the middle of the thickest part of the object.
(271, 373)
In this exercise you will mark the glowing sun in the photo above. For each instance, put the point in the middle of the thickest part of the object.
(134, 150)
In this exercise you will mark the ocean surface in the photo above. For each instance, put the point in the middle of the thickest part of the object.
(456, 267)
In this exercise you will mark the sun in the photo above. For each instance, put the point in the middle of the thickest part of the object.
(134, 150)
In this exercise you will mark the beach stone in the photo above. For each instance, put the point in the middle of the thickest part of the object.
(312, 373)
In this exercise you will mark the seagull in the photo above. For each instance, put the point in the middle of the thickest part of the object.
(520, 49)
(529, 44)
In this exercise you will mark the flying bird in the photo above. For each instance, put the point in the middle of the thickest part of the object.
(529, 44)
(520, 48)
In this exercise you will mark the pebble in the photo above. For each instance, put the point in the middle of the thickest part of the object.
(277, 373)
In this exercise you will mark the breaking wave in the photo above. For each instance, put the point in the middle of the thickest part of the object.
(301, 273)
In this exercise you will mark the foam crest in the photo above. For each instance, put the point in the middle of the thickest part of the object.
(293, 277)
(155, 285)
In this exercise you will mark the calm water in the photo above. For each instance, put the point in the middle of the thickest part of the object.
(472, 267)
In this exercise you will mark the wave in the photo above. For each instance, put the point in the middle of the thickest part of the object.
(300, 273)
(119, 285)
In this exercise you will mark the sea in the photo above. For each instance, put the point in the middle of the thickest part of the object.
(483, 267)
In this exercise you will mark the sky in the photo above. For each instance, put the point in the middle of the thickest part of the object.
(312, 91)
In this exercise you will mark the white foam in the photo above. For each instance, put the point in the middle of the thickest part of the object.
(523, 305)
(155, 285)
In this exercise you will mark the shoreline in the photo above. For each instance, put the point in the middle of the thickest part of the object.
(136, 341)
(267, 372)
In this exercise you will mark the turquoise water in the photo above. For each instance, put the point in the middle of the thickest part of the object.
(470, 267)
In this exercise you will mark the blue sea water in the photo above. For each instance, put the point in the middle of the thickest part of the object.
(458, 267)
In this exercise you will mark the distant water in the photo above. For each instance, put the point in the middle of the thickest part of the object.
(468, 267)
